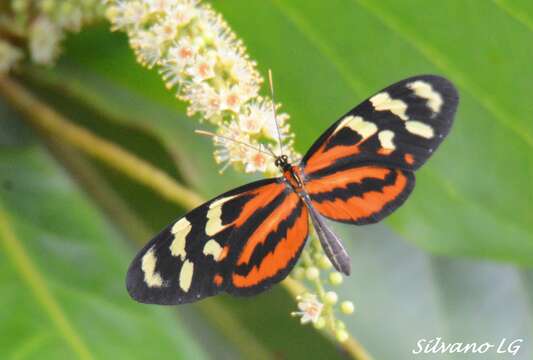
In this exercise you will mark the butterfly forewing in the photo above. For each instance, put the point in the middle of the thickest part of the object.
(400, 126)
(241, 242)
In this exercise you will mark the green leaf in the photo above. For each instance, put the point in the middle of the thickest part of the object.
(403, 295)
(473, 197)
(62, 270)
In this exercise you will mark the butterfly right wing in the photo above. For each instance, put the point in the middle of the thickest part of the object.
(362, 168)
(241, 242)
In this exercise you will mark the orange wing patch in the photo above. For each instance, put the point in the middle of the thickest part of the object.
(285, 251)
(262, 196)
(409, 159)
(218, 279)
(360, 195)
(342, 178)
(270, 224)
(323, 158)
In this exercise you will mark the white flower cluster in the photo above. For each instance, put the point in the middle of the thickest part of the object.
(198, 55)
(40, 26)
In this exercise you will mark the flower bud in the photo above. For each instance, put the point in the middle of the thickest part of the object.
(335, 278)
(342, 335)
(320, 323)
(298, 273)
(312, 273)
(347, 307)
(324, 262)
(331, 297)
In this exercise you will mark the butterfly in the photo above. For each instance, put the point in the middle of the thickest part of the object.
(359, 171)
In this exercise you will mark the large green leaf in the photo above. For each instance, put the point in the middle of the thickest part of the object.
(473, 197)
(403, 294)
(62, 272)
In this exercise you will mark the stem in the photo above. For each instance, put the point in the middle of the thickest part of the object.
(115, 156)
(99, 190)
(45, 118)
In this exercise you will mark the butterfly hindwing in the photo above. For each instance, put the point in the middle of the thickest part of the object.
(361, 194)
(241, 242)
(400, 126)
(361, 168)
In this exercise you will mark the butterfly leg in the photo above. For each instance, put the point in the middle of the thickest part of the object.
(331, 244)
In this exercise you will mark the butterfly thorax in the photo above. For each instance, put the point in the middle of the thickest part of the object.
(290, 172)
(293, 178)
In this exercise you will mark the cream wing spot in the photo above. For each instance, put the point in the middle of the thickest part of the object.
(213, 248)
(214, 219)
(180, 230)
(343, 123)
(420, 129)
(186, 273)
(425, 90)
(383, 102)
(364, 128)
(148, 263)
(385, 139)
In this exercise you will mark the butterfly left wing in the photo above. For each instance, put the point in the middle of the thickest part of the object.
(241, 242)
(361, 168)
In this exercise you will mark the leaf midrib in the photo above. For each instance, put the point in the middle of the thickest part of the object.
(439, 60)
(515, 13)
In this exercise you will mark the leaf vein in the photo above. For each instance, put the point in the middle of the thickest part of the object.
(439, 60)
(515, 13)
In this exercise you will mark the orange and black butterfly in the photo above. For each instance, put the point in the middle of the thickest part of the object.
(358, 172)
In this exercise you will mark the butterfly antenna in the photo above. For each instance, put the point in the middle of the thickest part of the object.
(213, 135)
(274, 110)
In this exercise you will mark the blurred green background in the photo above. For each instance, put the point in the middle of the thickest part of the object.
(454, 262)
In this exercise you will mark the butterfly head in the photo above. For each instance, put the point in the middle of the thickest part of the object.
(282, 162)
